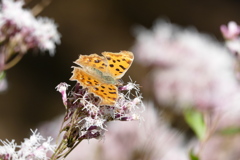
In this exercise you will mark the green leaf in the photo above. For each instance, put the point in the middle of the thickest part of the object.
(230, 131)
(195, 120)
(192, 156)
(2, 75)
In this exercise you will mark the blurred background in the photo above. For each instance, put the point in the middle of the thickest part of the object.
(93, 26)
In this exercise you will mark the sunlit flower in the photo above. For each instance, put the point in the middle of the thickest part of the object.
(36, 147)
(24, 31)
(87, 119)
(20, 32)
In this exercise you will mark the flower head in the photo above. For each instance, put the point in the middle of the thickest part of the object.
(190, 69)
(231, 31)
(22, 31)
(129, 140)
(86, 118)
(62, 88)
(36, 147)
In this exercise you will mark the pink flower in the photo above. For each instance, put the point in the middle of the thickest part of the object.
(231, 31)
(62, 88)
(150, 139)
(190, 69)
(22, 31)
(86, 118)
(231, 34)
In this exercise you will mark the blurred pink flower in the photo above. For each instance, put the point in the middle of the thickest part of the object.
(152, 139)
(223, 146)
(233, 46)
(231, 34)
(190, 69)
(231, 31)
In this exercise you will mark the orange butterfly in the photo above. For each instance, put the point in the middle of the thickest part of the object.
(101, 74)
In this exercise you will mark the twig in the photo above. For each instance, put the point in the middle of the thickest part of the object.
(13, 62)
(38, 8)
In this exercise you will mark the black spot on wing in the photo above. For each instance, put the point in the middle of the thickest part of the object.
(122, 67)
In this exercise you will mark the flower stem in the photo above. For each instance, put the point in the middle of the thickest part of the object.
(65, 141)
(61, 147)
(13, 62)
(38, 8)
(70, 150)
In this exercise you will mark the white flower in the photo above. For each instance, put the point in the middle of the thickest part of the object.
(33, 148)
(24, 31)
(46, 32)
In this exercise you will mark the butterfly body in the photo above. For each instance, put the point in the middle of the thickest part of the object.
(102, 74)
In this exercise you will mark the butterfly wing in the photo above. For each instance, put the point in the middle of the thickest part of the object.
(107, 92)
(91, 62)
(118, 63)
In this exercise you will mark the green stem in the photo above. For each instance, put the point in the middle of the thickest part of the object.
(61, 147)
(211, 128)
(40, 7)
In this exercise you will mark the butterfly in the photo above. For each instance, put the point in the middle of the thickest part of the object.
(102, 74)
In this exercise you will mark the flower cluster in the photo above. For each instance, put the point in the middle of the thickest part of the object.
(189, 69)
(36, 147)
(129, 140)
(231, 33)
(20, 31)
(86, 118)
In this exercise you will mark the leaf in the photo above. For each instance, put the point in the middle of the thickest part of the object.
(195, 120)
(193, 156)
(230, 131)
(2, 75)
